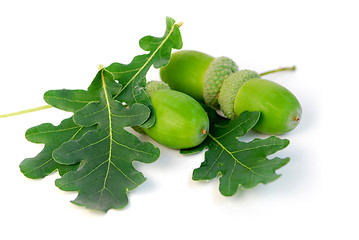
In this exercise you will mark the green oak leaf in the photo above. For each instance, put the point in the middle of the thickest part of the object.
(107, 173)
(132, 76)
(238, 163)
(71, 100)
(52, 136)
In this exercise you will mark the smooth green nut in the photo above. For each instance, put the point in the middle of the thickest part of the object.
(280, 109)
(197, 74)
(230, 88)
(181, 122)
(185, 72)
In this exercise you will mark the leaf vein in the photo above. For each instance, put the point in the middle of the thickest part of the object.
(218, 157)
(86, 146)
(133, 149)
(235, 159)
(233, 129)
(256, 147)
(53, 131)
(124, 174)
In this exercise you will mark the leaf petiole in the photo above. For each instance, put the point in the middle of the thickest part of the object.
(37, 108)
(25, 111)
(179, 24)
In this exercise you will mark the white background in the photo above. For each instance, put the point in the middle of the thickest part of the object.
(58, 44)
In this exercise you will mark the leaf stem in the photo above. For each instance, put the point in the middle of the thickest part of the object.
(25, 111)
(179, 24)
(279, 70)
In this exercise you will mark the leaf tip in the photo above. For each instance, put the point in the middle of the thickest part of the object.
(285, 142)
(100, 67)
(286, 160)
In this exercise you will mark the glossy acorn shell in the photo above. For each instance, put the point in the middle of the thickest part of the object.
(181, 122)
(280, 109)
(185, 72)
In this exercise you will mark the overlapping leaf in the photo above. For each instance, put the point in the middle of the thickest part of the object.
(238, 163)
(108, 152)
(132, 76)
(53, 137)
(71, 100)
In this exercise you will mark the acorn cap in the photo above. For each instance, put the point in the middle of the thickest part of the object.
(153, 86)
(230, 88)
(219, 69)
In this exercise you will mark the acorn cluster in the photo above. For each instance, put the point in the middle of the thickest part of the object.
(195, 76)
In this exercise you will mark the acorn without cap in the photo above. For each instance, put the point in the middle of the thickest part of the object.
(218, 83)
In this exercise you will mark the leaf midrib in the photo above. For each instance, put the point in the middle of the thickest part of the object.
(110, 133)
(51, 159)
(235, 159)
(230, 153)
(111, 139)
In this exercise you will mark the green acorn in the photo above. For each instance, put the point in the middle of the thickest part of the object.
(181, 122)
(218, 83)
